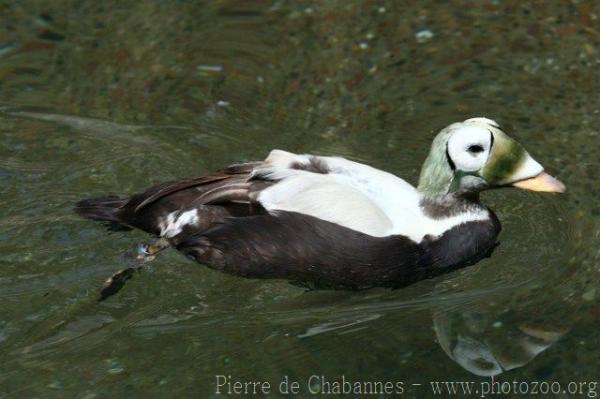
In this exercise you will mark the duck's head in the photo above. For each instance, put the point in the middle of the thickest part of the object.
(474, 155)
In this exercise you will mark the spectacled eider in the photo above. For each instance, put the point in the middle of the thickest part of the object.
(334, 222)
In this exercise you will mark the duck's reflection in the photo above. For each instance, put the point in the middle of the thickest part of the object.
(485, 332)
(487, 344)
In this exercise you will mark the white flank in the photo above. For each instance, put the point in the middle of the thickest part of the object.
(323, 197)
(175, 222)
(356, 196)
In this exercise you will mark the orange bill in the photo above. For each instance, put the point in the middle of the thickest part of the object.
(542, 182)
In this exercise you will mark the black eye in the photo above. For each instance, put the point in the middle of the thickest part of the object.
(475, 148)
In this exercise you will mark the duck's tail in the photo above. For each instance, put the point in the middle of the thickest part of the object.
(100, 208)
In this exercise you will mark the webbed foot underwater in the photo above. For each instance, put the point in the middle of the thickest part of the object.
(335, 222)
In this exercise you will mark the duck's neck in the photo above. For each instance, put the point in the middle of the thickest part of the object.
(440, 196)
(451, 204)
(436, 175)
(437, 184)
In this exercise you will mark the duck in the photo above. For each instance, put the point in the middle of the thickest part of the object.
(333, 222)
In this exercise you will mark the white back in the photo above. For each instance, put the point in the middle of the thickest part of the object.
(353, 195)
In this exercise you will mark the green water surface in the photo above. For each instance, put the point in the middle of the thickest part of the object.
(112, 97)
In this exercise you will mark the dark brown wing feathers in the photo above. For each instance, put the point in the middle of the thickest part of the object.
(179, 185)
(233, 174)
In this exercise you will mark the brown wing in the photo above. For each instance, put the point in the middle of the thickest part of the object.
(236, 172)
(163, 190)
(226, 193)
(231, 192)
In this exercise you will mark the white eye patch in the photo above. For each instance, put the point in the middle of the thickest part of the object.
(469, 147)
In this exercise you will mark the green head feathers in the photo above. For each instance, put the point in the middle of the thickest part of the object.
(436, 173)
(476, 154)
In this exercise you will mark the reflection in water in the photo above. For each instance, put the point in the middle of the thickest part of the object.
(487, 346)
(68, 332)
(94, 128)
(485, 340)
(338, 324)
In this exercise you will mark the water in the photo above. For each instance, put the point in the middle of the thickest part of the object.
(111, 98)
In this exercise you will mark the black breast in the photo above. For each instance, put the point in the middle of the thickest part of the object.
(460, 246)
